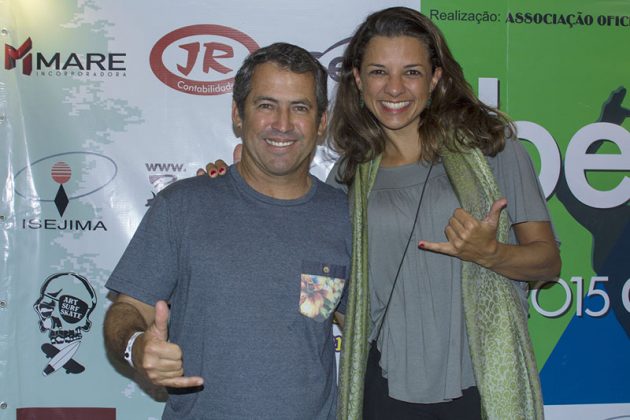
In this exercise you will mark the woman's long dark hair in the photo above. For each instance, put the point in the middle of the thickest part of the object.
(455, 118)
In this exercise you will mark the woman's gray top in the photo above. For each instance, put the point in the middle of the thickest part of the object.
(423, 342)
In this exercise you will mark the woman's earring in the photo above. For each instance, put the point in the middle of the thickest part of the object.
(361, 102)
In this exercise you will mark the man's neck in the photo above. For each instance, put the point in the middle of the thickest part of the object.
(279, 187)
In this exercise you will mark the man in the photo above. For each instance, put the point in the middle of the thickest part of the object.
(252, 264)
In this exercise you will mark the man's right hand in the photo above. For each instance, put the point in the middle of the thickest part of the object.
(160, 360)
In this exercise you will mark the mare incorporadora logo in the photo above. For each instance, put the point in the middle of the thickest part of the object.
(200, 59)
(89, 64)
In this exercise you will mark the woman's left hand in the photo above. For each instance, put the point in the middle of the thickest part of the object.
(470, 239)
(536, 256)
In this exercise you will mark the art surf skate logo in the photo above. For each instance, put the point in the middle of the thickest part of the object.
(200, 59)
(65, 303)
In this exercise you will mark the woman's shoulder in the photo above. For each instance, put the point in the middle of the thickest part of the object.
(512, 153)
(333, 178)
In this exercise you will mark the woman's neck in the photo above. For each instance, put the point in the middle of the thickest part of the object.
(401, 150)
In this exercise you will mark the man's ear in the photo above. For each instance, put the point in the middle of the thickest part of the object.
(323, 121)
(237, 122)
(236, 117)
(321, 128)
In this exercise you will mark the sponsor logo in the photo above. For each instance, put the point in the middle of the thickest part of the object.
(200, 59)
(332, 58)
(165, 167)
(162, 175)
(56, 64)
(61, 178)
(12, 55)
(337, 340)
(65, 303)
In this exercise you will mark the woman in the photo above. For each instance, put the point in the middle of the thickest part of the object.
(422, 159)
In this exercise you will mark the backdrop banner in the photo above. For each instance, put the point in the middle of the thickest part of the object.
(558, 69)
(103, 104)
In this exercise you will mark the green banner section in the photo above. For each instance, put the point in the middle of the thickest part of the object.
(557, 64)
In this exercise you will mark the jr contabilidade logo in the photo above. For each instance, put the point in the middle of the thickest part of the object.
(200, 59)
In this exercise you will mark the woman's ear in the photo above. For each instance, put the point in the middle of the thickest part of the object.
(437, 75)
(357, 78)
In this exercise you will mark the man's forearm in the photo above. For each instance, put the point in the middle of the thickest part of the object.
(121, 321)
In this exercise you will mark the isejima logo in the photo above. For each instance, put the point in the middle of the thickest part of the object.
(61, 178)
(200, 59)
(57, 64)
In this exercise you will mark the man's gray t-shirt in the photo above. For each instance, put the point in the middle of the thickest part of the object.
(423, 341)
(239, 269)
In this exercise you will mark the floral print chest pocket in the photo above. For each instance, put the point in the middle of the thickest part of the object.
(321, 287)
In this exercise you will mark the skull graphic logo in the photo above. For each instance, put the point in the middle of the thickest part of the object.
(64, 306)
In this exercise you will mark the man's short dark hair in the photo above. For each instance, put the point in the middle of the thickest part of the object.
(289, 57)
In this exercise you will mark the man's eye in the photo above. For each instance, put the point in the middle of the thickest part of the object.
(301, 108)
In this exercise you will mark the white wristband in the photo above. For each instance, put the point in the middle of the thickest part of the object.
(128, 350)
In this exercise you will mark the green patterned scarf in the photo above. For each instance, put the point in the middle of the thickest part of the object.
(501, 351)
(357, 320)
